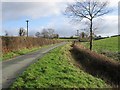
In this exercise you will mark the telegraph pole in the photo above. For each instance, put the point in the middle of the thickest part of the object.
(27, 27)
(77, 32)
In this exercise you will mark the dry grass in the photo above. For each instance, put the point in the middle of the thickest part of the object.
(97, 65)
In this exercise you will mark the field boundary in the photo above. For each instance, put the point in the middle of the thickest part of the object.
(97, 65)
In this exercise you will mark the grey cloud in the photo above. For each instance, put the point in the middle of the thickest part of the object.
(15, 10)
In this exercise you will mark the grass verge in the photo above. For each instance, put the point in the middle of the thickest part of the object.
(18, 53)
(56, 70)
(24, 51)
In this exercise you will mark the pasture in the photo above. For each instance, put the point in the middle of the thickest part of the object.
(108, 47)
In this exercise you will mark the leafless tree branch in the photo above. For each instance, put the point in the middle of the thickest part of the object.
(87, 9)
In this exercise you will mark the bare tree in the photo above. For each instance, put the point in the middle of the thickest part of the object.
(83, 34)
(55, 36)
(22, 32)
(50, 32)
(6, 33)
(37, 34)
(88, 9)
(45, 33)
(86, 30)
(96, 26)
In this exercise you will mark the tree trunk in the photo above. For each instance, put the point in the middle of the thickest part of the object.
(91, 34)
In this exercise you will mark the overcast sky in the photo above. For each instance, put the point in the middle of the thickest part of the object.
(49, 14)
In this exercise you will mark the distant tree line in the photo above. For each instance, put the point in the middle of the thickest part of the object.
(45, 33)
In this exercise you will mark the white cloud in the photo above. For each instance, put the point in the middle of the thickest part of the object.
(43, 8)
(113, 3)
(62, 26)
(110, 26)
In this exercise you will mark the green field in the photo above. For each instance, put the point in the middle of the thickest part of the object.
(56, 70)
(108, 46)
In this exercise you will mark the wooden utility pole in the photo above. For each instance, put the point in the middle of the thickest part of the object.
(77, 33)
(27, 27)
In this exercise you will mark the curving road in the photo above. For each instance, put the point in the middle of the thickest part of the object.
(11, 69)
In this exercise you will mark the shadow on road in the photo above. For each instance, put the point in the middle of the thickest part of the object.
(97, 65)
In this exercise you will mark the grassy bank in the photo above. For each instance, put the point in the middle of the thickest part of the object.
(108, 47)
(56, 70)
(98, 65)
(18, 53)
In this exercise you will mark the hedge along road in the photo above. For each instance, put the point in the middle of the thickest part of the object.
(11, 69)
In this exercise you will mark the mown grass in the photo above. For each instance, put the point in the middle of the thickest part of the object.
(55, 70)
(108, 46)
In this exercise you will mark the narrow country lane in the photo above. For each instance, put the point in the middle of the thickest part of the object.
(11, 69)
